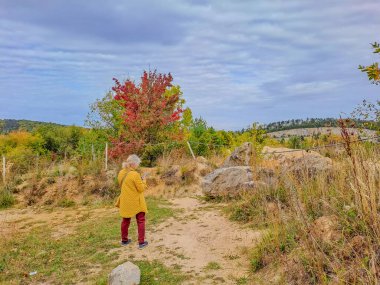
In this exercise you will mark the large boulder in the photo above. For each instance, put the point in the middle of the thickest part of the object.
(298, 162)
(228, 181)
(241, 156)
(125, 274)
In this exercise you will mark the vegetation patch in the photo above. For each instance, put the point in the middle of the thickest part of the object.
(73, 258)
(6, 199)
(66, 203)
(212, 266)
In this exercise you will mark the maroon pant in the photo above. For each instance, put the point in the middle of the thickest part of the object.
(140, 218)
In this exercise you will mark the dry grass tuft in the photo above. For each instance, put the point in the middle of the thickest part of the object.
(322, 229)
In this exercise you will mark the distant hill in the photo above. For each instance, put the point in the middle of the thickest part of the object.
(306, 123)
(8, 125)
(308, 132)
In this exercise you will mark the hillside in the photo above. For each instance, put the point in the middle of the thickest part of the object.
(308, 132)
(307, 123)
(8, 125)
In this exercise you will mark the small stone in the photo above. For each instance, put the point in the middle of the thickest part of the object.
(325, 228)
(125, 274)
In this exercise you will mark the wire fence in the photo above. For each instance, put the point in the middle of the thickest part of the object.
(13, 164)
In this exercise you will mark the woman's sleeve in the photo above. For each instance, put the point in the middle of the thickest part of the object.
(120, 177)
(139, 183)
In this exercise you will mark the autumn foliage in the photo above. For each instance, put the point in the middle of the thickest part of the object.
(373, 70)
(148, 112)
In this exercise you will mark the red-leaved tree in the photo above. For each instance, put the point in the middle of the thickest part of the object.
(148, 112)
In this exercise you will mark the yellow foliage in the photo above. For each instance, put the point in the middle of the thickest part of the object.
(19, 142)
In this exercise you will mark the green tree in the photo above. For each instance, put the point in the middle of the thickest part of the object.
(373, 71)
(370, 111)
(105, 116)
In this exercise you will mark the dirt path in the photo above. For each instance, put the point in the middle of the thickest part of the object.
(200, 241)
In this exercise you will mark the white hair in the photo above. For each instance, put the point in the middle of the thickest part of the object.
(132, 159)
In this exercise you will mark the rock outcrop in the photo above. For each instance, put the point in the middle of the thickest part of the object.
(234, 176)
(191, 172)
(241, 156)
(125, 274)
(297, 162)
(228, 181)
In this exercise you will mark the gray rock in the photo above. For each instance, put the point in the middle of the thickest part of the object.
(298, 162)
(228, 181)
(125, 274)
(241, 156)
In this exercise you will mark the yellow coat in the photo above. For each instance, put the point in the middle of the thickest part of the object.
(132, 199)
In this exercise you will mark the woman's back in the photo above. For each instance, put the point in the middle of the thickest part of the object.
(132, 199)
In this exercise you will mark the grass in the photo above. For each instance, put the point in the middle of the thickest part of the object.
(279, 239)
(66, 203)
(347, 195)
(242, 281)
(154, 273)
(73, 258)
(6, 197)
(212, 266)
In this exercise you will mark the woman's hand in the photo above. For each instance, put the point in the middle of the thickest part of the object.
(145, 175)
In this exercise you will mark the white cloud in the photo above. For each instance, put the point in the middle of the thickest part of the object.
(242, 56)
(316, 87)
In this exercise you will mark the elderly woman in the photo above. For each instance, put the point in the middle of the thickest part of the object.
(132, 201)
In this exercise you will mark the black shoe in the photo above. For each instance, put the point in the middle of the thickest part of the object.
(126, 242)
(142, 245)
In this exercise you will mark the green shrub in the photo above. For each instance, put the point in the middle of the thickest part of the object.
(151, 153)
(280, 239)
(6, 199)
(212, 266)
(66, 203)
(250, 209)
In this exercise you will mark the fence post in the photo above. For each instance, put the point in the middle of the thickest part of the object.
(4, 168)
(93, 152)
(106, 156)
(37, 162)
(191, 150)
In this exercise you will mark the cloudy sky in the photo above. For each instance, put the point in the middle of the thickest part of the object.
(237, 61)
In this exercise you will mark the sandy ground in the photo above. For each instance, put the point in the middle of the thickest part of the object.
(16, 221)
(199, 240)
(198, 237)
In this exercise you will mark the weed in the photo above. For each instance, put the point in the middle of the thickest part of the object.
(212, 266)
(66, 203)
(242, 281)
(6, 198)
